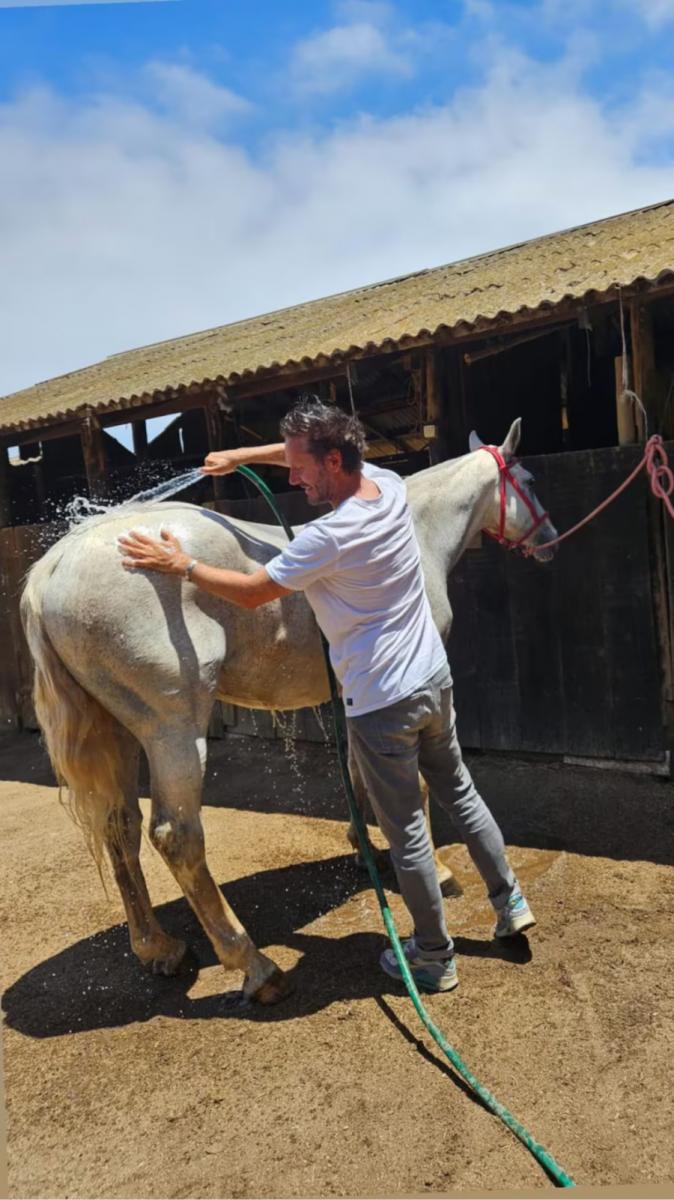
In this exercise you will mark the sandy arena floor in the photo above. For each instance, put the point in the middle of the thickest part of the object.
(123, 1085)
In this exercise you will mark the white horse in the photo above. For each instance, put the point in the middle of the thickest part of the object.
(129, 659)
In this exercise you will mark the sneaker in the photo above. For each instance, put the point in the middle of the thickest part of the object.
(514, 917)
(429, 974)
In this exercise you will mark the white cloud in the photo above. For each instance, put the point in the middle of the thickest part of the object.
(191, 96)
(570, 14)
(334, 59)
(655, 13)
(649, 120)
(123, 225)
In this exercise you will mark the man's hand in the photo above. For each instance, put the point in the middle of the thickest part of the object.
(144, 552)
(221, 462)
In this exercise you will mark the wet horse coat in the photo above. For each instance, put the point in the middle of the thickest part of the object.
(130, 659)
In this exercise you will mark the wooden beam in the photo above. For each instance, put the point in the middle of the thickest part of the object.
(31, 453)
(384, 439)
(624, 407)
(643, 363)
(281, 380)
(435, 405)
(139, 438)
(474, 356)
(44, 432)
(161, 408)
(51, 429)
(644, 383)
(93, 452)
(216, 438)
(5, 497)
(457, 427)
(251, 433)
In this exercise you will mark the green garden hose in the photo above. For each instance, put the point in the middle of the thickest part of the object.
(546, 1160)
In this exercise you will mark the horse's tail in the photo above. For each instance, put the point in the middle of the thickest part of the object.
(82, 739)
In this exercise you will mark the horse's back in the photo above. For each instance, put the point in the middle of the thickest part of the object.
(133, 636)
(121, 630)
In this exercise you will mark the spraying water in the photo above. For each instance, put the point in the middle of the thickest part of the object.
(80, 508)
(171, 487)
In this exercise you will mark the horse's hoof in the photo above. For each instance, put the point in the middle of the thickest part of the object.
(275, 987)
(381, 859)
(169, 961)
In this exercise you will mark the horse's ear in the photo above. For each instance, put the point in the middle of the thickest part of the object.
(474, 442)
(509, 447)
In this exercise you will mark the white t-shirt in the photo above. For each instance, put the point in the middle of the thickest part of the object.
(361, 571)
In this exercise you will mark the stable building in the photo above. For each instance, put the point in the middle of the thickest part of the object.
(572, 659)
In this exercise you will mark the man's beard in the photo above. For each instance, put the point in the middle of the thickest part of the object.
(319, 494)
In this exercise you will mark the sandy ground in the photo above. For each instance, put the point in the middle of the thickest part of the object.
(121, 1084)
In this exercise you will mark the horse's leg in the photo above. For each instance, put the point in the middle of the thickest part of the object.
(449, 885)
(177, 762)
(149, 942)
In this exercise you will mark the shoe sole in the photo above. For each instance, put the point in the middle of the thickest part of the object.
(517, 925)
(424, 985)
(433, 987)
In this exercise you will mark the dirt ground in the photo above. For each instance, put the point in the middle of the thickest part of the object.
(121, 1084)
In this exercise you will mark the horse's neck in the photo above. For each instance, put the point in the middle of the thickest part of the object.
(450, 504)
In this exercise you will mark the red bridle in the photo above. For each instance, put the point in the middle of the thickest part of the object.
(506, 476)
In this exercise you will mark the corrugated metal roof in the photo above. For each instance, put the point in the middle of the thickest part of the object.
(529, 277)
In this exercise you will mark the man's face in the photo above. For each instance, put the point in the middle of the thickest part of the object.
(315, 477)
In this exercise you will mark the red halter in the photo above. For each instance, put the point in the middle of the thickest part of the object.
(506, 476)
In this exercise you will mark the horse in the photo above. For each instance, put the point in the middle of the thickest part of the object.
(129, 659)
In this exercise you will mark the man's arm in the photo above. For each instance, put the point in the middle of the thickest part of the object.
(248, 591)
(223, 462)
(168, 557)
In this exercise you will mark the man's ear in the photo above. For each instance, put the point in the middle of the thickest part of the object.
(509, 447)
(474, 442)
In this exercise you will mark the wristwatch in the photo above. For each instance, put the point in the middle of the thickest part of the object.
(189, 569)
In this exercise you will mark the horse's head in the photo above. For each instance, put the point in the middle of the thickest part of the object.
(517, 518)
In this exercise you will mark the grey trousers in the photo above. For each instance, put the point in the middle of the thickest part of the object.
(391, 746)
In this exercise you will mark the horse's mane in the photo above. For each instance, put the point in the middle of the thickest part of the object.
(446, 466)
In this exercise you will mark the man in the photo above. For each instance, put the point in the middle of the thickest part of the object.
(360, 568)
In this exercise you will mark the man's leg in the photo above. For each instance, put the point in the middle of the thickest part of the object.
(385, 745)
(450, 784)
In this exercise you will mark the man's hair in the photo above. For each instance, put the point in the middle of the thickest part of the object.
(326, 427)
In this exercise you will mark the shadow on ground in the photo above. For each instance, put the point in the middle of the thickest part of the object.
(98, 983)
(539, 804)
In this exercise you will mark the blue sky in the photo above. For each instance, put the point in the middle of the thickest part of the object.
(169, 165)
(249, 48)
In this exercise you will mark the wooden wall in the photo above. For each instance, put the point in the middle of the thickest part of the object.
(565, 658)
(572, 658)
(20, 546)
